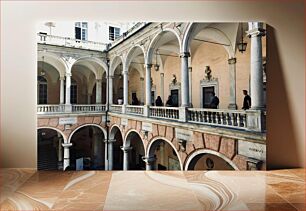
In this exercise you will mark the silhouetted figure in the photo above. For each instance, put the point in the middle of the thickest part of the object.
(169, 102)
(135, 100)
(246, 100)
(214, 101)
(158, 101)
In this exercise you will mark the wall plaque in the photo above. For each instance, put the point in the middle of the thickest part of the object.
(252, 150)
(124, 121)
(183, 134)
(146, 126)
(67, 120)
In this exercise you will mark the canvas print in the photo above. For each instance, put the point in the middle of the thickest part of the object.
(151, 95)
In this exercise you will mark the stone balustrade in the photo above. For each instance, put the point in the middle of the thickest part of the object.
(70, 42)
(164, 112)
(116, 108)
(88, 108)
(133, 109)
(252, 120)
(43, 109)
(227, 118)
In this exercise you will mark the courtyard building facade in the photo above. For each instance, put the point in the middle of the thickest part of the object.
(98, 109)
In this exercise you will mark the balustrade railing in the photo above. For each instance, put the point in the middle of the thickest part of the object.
(164, 112)
(70, 42)
(116, 108)
(50, 109)
(226, 118)
(133, 109)
(88, 108)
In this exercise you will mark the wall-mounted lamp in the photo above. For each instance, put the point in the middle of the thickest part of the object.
(242, 45)
(156, 66)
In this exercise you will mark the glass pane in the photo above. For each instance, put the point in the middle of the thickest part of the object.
(77, 24)
(84, 24)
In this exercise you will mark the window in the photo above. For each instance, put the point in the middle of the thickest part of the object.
(81, 30)
(42, 90)
(114, 33)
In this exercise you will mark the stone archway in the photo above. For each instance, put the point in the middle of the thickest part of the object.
(162, 155)
(205, 159)
(116, 140)
(49, 149)
(88, 149)
(134, 151)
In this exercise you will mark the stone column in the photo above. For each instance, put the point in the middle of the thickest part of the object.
(148, 84)
(255, 33)
(98, 91)
(60, 149)
(142, 89)
(62, 90)
(232, 81)
(184, 79)
(66, 155)
(110, 154)
(150, 162)
(125, 90)
(89, 98)
(68, 86)
(162, 87)
(190, 85)
(126, 157)
(110, 90)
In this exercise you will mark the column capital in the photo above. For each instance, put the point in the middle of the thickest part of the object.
(148, 66)
(109, 140)
(149, 159)
(232, 61)
(62, 78)
(184, 54)
(256, 32)
(98, 80)
(126, 148)
(125, 72)
(66, 145)
(68, 74)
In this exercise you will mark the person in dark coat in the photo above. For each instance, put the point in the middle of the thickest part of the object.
(135, 100)
(169, 102)
(158, 101)
(214, 101)
(246, 100)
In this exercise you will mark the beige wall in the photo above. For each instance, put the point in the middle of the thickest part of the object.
(285, 49)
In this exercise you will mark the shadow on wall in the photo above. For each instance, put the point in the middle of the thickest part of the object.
(281, 141)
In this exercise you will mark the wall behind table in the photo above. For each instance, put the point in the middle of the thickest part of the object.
(285, 49)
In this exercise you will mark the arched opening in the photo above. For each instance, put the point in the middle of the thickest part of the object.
(209, 160)
(164, 55)
(49, 149)
(135, 63)
(88, 149)
(117, 89)
(137, 151)
(42, 90)
(116, 135)
(166, 157)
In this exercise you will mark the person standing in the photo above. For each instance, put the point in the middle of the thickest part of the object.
(169, 102)
(246, 100)
(214, 101)
(158, 101)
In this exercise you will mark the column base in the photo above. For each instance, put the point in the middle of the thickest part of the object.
(123, 109)
(232, 106)
(183, 114)
(68, 108)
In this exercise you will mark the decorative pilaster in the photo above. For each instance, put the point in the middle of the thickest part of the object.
(232, 80)
(62, 90)
(162, 89)
(184, 79)
(98, 91)
(190, 85)
(126, 157)
(66, 155)
(256, 32)
(148, 84)
(142, 93)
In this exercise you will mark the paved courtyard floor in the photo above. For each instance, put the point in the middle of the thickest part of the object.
(27, 189)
